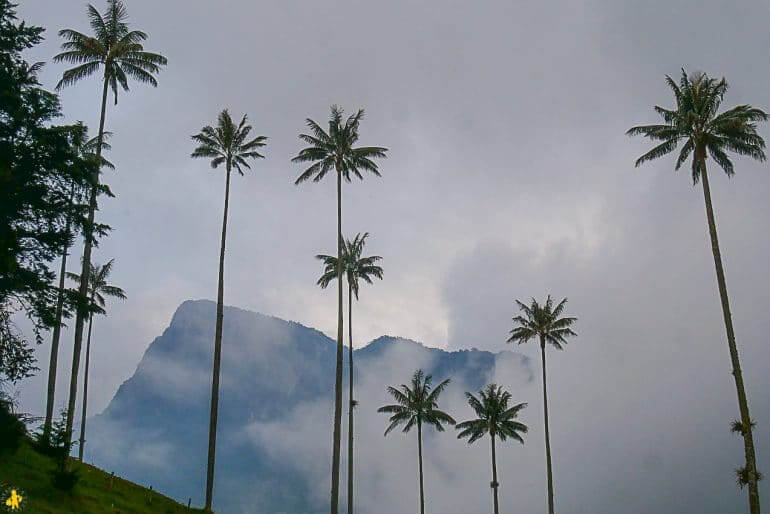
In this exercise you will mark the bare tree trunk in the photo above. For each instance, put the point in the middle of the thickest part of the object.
(82, 311)
(217, 354)
(351, 402)
(53, 364)
(338, 372)
(494, 483)
(743, 405)
(85, 389)
(419, 455)
(547, 436)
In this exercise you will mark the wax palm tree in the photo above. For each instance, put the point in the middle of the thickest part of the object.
(543, 322)
(417, 405)
(694, 121)
(355, 267)
(495, 418)
(86, 149)
(119, 53)
(227, 144)
(98, 288)
(333, 150)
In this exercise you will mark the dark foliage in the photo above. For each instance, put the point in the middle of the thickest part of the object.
(39, 168)
(12, 428)
(63, 477)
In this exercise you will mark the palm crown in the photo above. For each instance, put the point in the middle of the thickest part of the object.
(494, 416)
(695, 121)
(418, 404)
(113, 46)
(334, 149)
(87, 147)
(353, 265)
(542, 321)
(98, 287)
(228, 143)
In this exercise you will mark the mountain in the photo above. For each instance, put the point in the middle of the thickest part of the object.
(275, 408)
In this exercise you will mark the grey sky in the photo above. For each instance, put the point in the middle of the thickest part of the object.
(508, 176)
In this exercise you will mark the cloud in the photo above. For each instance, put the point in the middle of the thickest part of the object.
(386, 467)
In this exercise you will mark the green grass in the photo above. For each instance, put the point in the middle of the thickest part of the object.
(97, 492)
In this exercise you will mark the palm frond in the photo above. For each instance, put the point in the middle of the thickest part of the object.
(96, 21)
(542, 322)
(494, 416)
(416, 405)
(74, 75)
(721, 159)
(434, 394)
(695, 118)
(334, 149)
(113, 45)
(667, 146)
(225, 143)
(138, 74)
(687, 149)
(114, 292)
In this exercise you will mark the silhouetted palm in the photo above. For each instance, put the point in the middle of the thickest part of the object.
(417, 405)
(119, 53)
(355, 267)
(695, 122)
(87, 150)
(496, 419)
(98, 288)
(227, 144)
(543, 322)
(333, 150)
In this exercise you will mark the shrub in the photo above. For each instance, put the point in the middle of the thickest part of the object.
(62, 477)
(44, 445)
(12, 428)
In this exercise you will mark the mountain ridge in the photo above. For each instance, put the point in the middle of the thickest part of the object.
(154, 429)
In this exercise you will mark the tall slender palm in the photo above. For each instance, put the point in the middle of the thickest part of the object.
(355, 267)
(98, 288)
(227, 144)
(543, 322)
(695, 122)
(87, 150)
(417, 405)
(495, 418)
(119, 52)
(333, 150)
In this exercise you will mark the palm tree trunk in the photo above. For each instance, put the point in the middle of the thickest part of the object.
(494, 483)
(81, 311)
(547, 436)
(217, 354)
(419, 455)
(350, 400)
(53, 364)
(85, 390)
(338, 372)
(743, 405)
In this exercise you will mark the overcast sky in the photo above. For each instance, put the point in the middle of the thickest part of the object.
(508, 176)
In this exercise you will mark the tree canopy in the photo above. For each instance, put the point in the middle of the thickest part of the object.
(39, 167)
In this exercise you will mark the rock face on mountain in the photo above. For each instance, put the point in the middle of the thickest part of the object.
(275, 409)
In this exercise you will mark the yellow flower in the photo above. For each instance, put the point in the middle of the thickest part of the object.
(14, 501)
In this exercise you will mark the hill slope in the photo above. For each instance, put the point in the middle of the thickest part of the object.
(97, 491)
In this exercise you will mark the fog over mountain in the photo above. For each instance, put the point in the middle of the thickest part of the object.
(274, 439)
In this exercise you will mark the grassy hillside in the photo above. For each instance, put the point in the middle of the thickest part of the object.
(28, 470)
